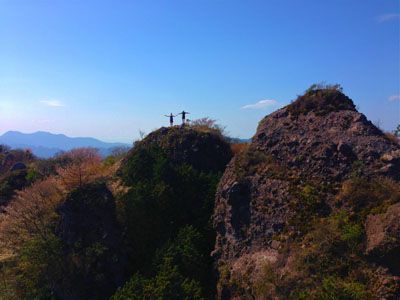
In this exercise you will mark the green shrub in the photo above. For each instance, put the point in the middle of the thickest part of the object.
(167, 219)
(39, 268)
(189, 252)
(333, 246)
(321, 99)
(167, 284)
(334, 288)
(134, 289)
(309, 204)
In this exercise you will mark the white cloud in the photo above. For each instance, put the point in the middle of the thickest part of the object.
(261, 104)
(394, 98)
(387, 17)
(53, 103)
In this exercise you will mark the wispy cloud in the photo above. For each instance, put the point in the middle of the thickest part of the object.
(53, 103)
(394, 98)
(261, 104)
(387, 17)
(44, 121)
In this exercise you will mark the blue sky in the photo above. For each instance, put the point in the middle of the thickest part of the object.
(109, 68)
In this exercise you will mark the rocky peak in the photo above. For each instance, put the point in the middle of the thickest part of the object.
(321, 134)
(205, 151)
(321, 101)
(290, 175)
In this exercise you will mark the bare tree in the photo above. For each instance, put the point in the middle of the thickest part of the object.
(209, 125)
(85, 167)
(120, 151)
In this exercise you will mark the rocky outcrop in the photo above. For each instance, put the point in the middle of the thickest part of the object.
(204, 151)
(18, 166)
(13, 172)
(289, 176)
(10, 183)
(9, 158)
(327, 146)
(91, 237)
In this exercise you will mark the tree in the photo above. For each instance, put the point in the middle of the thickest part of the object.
(30, 214)
(208, 125)
(85, 167)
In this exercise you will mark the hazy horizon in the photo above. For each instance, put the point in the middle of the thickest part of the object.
(107, 69)
(61, 133)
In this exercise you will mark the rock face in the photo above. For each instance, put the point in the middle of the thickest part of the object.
(204, 151)
(320, 140)
(327, 145)
(90, 233)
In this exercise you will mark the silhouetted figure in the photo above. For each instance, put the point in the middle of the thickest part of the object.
(184, 113)
(171, 119)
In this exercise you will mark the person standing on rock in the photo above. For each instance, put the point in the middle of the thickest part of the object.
(183, 113)
(171, 119)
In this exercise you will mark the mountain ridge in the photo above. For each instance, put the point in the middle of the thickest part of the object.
(45, 144)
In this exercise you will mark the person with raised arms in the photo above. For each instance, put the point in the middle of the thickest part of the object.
(184, 113)
(171, 119)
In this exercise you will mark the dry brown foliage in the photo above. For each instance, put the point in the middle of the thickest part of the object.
(30, 214)
(208, 125)
(239, 148)
(369, 196)
(392, 137)
(85, 167)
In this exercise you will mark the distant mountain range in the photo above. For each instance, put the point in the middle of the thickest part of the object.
(45, 144)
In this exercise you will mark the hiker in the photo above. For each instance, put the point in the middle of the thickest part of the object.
(171, 119)
(183, 113)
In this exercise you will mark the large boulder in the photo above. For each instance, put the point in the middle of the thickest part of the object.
(290, 176)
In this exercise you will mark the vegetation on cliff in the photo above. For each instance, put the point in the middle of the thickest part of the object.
(38, 260)
(82, 227)
(172, 177)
